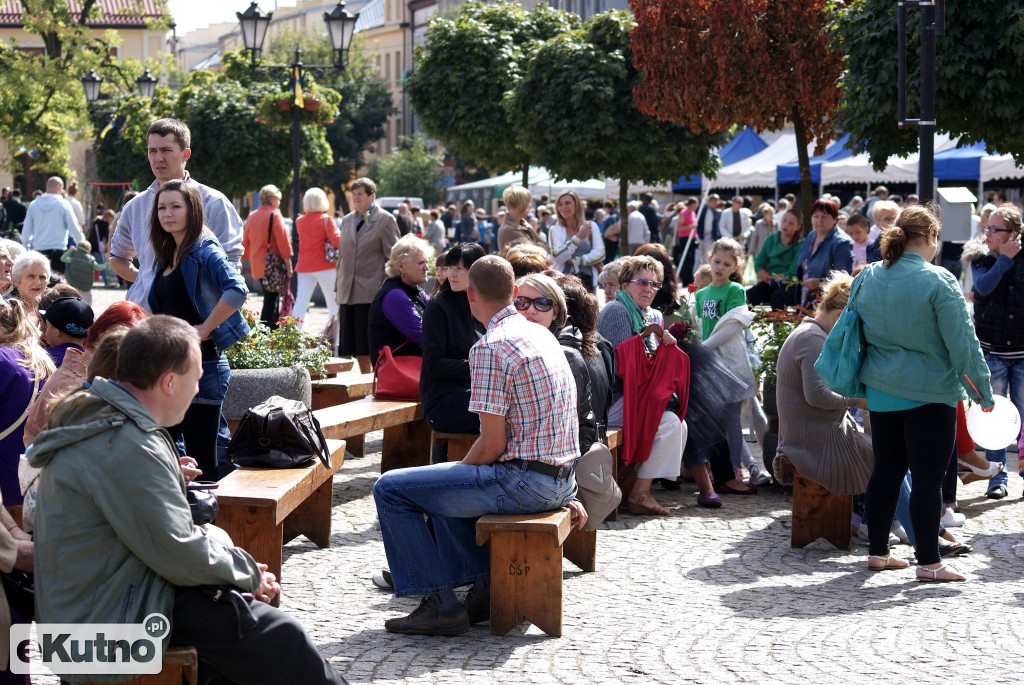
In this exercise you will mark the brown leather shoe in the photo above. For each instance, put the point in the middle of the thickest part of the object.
(428, 619)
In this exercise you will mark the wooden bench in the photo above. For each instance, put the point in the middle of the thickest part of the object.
(817, 513)
(333, 367)
(526, 568)
(262, 509)
(180, 665)
(458, 443)
(330, 392)
(406, 434)
(614, 442)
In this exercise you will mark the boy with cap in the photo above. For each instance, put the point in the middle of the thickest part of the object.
(67, 323)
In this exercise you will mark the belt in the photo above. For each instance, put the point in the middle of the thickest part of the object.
(556, 472)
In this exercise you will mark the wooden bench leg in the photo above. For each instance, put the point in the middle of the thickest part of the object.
(581, 549)
(312, 518)
(253, 529)
(405, 445)
(457, 449)
(817, 513)
(614, 515)
(354, 445)
(180, 667)
(526, 583)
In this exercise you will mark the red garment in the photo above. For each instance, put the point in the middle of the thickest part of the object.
(648, 382)
(963, 438)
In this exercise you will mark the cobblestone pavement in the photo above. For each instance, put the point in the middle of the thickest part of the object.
(700, 596)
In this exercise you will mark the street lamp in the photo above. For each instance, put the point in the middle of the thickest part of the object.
(145, 84)
(340, 27)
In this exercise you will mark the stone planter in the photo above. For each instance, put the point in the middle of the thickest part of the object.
(249, 387)
(768, 401)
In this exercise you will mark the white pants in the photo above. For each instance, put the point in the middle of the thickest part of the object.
(307, 281)
(666, 456)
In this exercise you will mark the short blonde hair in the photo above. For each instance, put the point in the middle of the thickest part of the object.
(883, 206)
(610, 272)
(406, 249)
(835, 294)
(547, 287)
(315, 200)
(516, 197)
(268, 193)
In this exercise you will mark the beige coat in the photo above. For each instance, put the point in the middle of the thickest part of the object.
(8, 555)
(363, 255)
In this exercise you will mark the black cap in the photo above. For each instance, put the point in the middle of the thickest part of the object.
(69, 315)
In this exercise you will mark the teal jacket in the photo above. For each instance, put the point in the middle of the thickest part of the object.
(113, 531)
(920, 339)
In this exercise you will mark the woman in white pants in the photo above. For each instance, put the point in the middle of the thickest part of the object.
(314, 228)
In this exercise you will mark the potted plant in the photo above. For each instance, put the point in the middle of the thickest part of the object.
(771, 330)
(272, 362)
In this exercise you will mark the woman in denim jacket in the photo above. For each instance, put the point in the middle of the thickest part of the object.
(196, 282)
(920, 351)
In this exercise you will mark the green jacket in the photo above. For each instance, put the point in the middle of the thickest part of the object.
(776, 258)
(113, 531)
(920, 339)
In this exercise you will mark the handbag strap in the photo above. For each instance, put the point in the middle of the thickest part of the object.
(857, 283)
(270, 231)
(326, 235)
(24, 415)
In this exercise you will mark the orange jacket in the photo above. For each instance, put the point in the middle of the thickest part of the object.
(254, 240)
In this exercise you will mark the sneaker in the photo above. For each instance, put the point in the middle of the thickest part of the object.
(862, 534)
(951, 519)
(428, 619)
(478, 606)
(996, 492)
(383, 580)
(900, 532)
(757, 476)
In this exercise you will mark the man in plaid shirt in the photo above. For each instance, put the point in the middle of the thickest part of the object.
(522, 462)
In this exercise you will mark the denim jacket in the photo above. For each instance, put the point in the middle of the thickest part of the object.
(210, 278)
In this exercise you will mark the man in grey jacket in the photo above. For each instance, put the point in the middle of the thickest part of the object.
(48, 223)
(116, 543)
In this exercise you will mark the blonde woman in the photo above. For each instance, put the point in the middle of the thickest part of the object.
(576, 244)
(24, 366)
(515, 229)
(315, 227)
(396, 313)
(265, 230)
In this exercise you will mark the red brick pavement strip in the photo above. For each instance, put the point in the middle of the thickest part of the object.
(699, 596)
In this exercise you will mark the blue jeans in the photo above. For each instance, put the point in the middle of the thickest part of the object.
(453, 495)
(1005, 374)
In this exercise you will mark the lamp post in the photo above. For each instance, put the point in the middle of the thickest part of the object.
(145, 84)
(340, 27)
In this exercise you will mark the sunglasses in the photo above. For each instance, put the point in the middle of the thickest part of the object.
(643, 283)
(541, 304)
(989, 229)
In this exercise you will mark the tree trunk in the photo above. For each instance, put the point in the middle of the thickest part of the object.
(526, 172)
(341, 200)
(623, 218)
(806, 188)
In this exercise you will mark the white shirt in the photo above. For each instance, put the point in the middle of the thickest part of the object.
(637, 232)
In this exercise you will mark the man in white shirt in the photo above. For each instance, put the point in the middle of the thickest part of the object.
(49, 222)
(736, 221)
(637, 232)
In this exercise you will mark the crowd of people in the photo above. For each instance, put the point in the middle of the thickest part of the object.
(111, 416)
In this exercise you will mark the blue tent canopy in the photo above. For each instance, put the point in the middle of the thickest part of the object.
(744, 144)
(790, 173)
(962, 163)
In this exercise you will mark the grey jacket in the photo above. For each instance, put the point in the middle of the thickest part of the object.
(114, 535)
(363, 255)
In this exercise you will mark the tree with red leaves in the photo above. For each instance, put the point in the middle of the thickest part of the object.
(716, 63)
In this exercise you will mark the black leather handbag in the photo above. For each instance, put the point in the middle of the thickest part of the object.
(278, 433)
(202, 502)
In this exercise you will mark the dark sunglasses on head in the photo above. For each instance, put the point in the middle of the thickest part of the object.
(541, 304)
(643, 283)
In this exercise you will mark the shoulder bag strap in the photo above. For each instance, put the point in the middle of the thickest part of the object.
(270, 231)
(24, 414)
(326, 234)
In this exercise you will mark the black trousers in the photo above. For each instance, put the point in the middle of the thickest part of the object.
(236, 645)
(270, 313)
(56, 265)
(919, 439)
(779, 296)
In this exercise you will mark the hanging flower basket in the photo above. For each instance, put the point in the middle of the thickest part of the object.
(285, 104)
(318, 107)
(310, 105)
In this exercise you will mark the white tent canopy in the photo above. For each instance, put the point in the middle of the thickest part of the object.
(758, 171)
(593, 189)
(611, 188)
(540, 182)
(858, 169)
(994, 167)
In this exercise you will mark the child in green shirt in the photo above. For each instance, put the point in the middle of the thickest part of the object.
(725, 291)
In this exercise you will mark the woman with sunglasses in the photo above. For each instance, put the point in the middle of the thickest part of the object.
(541, 301)
(626, 316)
(997, 267)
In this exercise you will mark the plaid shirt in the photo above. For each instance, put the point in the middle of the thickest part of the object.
(519, 371)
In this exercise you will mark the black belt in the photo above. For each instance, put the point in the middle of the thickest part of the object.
(556, 472)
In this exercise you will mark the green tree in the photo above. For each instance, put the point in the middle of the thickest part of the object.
(979, 65)
(467, 67)
(413, 169)
(41, 99)
(579, 119)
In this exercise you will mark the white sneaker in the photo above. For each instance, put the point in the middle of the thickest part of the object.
(862, 534)
(758, 477)
(900, 532)
(951, 519)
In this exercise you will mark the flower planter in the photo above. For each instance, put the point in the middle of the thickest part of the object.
(311, 105)
(249, 387)
(285, 104)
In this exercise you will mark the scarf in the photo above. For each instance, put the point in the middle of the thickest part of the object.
(638, 318)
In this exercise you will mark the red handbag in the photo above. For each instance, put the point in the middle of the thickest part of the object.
(397, 378)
